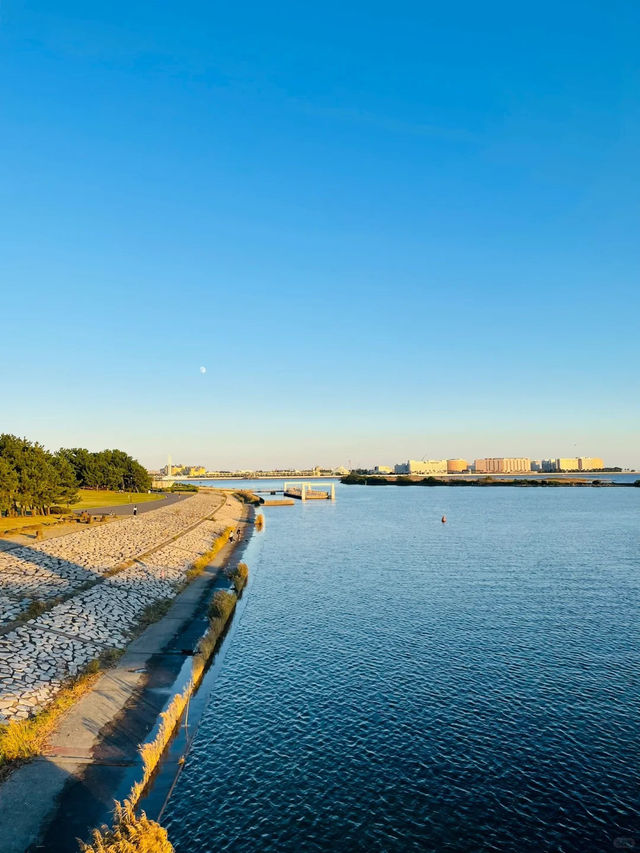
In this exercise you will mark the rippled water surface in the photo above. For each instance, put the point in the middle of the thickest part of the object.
(398, 684)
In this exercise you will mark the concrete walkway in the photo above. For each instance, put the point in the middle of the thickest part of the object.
(95, 748)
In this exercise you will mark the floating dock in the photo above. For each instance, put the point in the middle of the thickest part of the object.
(310, 491)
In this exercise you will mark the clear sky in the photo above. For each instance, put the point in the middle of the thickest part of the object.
(386, 230)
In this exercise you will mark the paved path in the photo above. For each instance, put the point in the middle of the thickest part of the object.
(91, 757)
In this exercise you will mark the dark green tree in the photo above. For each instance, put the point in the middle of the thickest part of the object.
(8, 486)
(67, 485)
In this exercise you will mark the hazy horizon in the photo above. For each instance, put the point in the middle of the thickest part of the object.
(239, 452)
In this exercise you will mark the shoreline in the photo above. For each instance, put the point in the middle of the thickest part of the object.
(487, 481)
(92, 757)
(156, 796)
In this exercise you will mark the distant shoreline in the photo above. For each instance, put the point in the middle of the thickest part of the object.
(487, 480)
(259, 477)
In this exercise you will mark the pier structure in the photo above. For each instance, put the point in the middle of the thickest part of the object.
(310, 491)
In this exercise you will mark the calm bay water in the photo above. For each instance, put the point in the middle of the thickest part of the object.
(396, 684)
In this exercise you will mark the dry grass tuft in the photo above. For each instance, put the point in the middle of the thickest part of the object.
(239, 576)
(130, 834)
(247, 497)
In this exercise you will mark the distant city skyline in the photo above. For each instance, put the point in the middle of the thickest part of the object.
(244, 451)
(449, 465)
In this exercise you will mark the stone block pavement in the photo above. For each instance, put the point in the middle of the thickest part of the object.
(37, 657)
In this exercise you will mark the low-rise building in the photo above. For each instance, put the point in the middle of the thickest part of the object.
(457, 466)
(567, 463)
(422, 466)
(590, 463)
(503, 465)
(382, 469)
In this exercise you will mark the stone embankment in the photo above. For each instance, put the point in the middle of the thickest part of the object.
(103, 605)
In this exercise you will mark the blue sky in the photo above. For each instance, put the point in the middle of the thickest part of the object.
(386, 230)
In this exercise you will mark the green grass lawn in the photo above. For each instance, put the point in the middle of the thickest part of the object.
(15, 525)
(88, 498)
(96, 497)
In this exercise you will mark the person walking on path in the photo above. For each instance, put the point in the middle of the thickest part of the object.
(135, 510)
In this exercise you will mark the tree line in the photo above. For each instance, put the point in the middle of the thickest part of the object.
(32, 479)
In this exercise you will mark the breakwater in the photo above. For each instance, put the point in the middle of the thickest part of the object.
(93, 739)
(127, 824)
(220, 611)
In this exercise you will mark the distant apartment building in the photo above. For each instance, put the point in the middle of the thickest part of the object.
(536, 465)
(590, 463)
(184, 470)
(457, 466)
(503, 465)
(548, 466)
(566, 463)
(422, 466)
(196, 471)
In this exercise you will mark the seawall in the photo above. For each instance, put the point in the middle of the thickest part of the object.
(93, 756)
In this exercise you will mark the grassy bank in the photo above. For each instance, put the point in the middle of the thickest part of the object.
(202, 562)
(238, 575)
(28, 522)
(247, 497)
